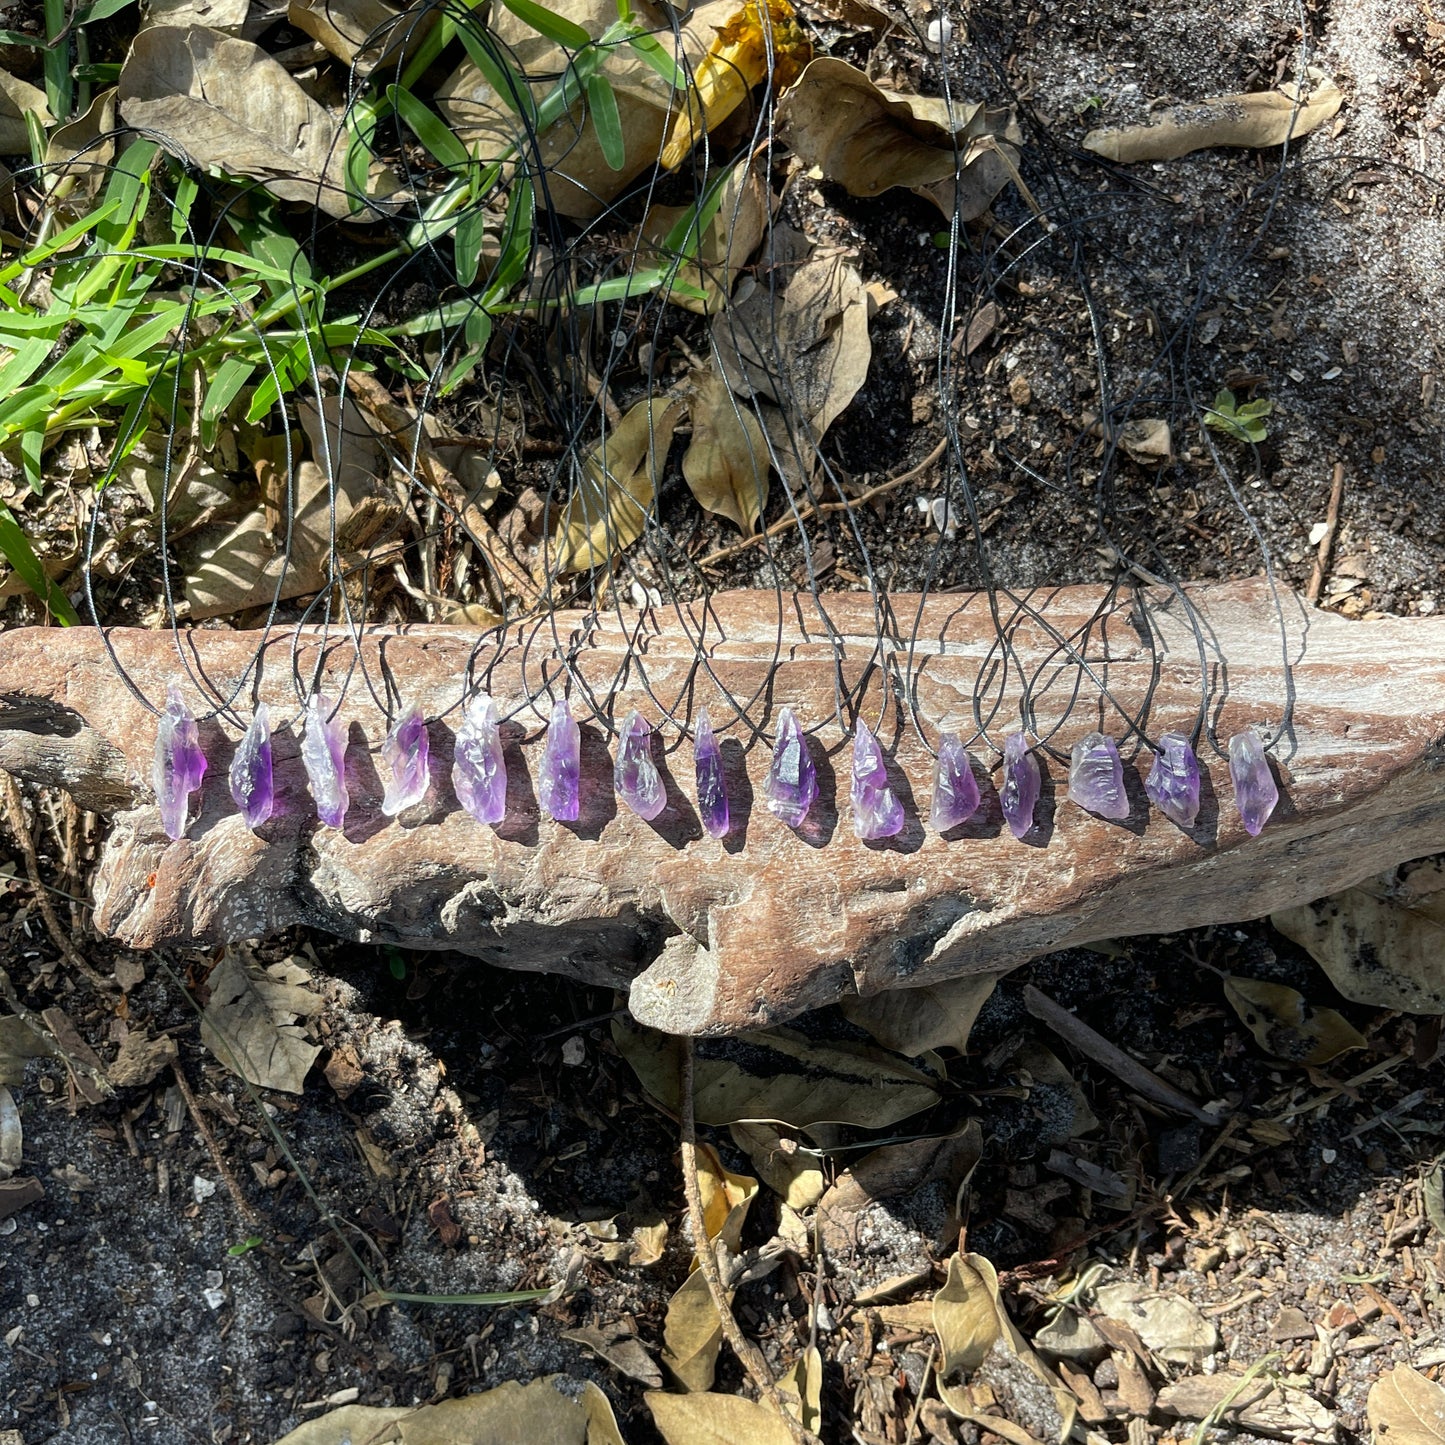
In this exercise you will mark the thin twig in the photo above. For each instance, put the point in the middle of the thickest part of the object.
(244, 1205)
(15, 816)
(1327, 542)
(794, 519)
(747, 1352)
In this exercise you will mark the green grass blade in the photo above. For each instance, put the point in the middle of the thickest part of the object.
(429, 129)
(59, 87)
(602, 102)
(499, 72)
(16, 548)
(548, 23)
(651, 50)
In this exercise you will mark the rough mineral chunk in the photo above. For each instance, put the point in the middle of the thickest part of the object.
(1019, 794)
(1173, 781)
(479, 769)
(559, 778)
(407, 754)
(179, 762)
(253, 784)
(1255, 792)
(955, 789)
(712, 788)
(792, 782)
(877, 813)
(323, 751)
(1096, 777)
(635, 775)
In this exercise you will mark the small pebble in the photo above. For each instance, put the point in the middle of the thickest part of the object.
(940, 33)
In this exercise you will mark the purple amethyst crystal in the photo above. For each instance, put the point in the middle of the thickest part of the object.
(179, 764)
(635, 775)
(253, 786)
(1021, 783)
(559, 779)
(1173, 781)
(479, 771)
(955, 789)
(712, 787)
(1255, 792)
(792, 782)
(1096, 777)
(407, 754)
(323, 751)
(877, 813)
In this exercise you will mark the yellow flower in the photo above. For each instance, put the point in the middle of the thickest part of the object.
(735, 62)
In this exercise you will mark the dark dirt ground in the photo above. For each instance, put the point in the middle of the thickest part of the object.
(472, 1130)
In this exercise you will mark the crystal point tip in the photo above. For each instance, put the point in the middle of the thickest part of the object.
(1255, 791)
(877, 813)
(635, 775)
(1096, 777)
(407, 754)
(479, 768)
(1019, 795)
(1173, 781)
(323, 753)
(791, 786)
(252, 778)
(179, 762)
(955, 789)
(559, 779)
(712, 788)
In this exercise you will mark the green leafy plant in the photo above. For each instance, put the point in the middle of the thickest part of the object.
(1243, 422)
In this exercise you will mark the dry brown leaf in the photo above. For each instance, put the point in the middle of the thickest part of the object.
(617, 1344)
(19, 1043)
(1285, 1024)
(723, 250)
(1064, 1111)
(18, 98)
(1170, 1325)
(608, 508)
(896, 1169)
(250, 1022)
(806, 347)
(215, 101)
(716, 1420)
(781, 1076)
(790, 1171)
(1260, 1406)
(554, 1409)
(226, 15)
(869, 139)
(911, 1021)
(801, 1387)
(980, 1355)
(77, 155)
(12, 1135)
(726, 462)
(1262, 118)
(726, 1197)
(1406, 1408)
(359, 33)
(140, 1059)
(1147, 441)
(1380, 944)
(692, 1334)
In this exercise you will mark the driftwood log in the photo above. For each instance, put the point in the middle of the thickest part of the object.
(714, 937)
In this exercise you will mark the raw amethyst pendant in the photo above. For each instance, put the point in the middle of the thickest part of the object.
(877, 813)
(1021, 784)
(712, 788)
(955, 789)
(560, 777)
(253, 787)
(179, 762)
(1255, 792)
(323, 751)
(407, 753)
(1173, 782)
(792, 782)
(1096, 777)
(635, 775)
(479, 770)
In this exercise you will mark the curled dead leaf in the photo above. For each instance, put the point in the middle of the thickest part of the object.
(1285, 1024)
(616, 486)
(1406, 1408)
(1380, 943)
(911, 1021)
(726, 463)
(250, 1022)
(716, 1420)
(1147, 440)
(1262, 118)
(18, 98)
(793, 1173)
(1260, 1406)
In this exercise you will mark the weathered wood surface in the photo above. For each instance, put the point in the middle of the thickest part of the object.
(715, 937)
